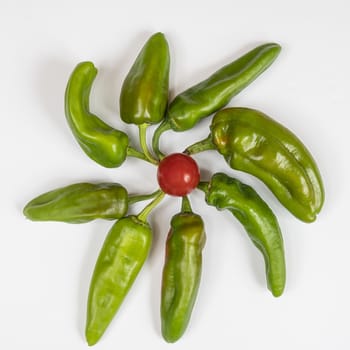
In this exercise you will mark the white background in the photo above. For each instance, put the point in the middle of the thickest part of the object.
(45, 268)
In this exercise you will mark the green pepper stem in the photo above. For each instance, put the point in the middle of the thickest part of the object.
(164, 126)
(132, 152)
(143, 197)
(147, 210)
(143, 143)
(203, 186)
(186, 205)
(200, 146)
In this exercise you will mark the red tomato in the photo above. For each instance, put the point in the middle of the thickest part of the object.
(178, 174)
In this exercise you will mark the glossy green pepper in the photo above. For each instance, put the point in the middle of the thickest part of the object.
(79, 203)
(120, 260)
(224, 192)
(102, 143)
(181, 273)
(208, 96)
(144, 94)
(252, 142)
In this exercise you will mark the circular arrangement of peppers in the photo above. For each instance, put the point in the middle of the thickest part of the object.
(249, 140)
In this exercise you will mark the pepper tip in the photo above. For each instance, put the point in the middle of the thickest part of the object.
(92, 337)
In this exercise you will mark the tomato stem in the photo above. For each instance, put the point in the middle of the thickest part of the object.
(143, 143)
(147, 210)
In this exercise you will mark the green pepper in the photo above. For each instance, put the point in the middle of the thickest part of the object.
(120, 260)
(224, 192)
(181, 273)
(201, 100)
(144, 94)
(102, 143)
(252, 142)
(79, 203)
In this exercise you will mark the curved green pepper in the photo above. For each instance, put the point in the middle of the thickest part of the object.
(181, 273)
(224, 192)
(79, 203)
(102, 143)
(120, 260)
(144, 94)
(203, 99)
(252, 142)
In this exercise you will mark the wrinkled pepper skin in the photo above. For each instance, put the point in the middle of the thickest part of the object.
(254, 143)
(102, 143)
(258, 220)
(207, 97)
(144, 94)
(120, 260)
(181, 273)
(79, 203)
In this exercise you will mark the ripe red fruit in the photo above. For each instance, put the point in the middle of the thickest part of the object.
(178, 174)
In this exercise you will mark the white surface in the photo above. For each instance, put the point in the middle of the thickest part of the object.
(45, 268)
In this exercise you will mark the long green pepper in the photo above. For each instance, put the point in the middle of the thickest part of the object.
(251, 141)
(79, 203)
(102, 143)
(181, 273)
(201, 100)
(144, 94)
(224, 192)
(121, 258)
